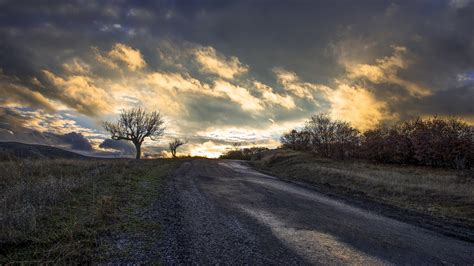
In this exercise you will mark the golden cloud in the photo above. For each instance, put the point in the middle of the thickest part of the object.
(132, 57)
(237, 94)
(291, 83)
(385, 70)
(76, 66)
(80, 93)
(14, 95)
(175, 82)
(358, 106)
(121, 53)
(271, 97)
(213, 63)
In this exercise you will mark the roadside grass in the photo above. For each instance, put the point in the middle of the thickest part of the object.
(442, 193)
(56, 211)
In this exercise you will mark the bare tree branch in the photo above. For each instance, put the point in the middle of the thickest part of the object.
(135, 125)
(174, 146)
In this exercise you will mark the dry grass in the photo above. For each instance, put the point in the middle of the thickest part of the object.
(55, 210)
(447, 194)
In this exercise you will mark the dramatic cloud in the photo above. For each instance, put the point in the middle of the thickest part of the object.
(291, 82)
(131, 57)
(358, 106)
(77, 141)
(238, 94)
(385, 70)
(17, 95)
(80, 93)
(126, 148)
(223, 72)
(213, 63)
(269, 96)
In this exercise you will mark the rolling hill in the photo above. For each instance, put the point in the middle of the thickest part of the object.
(17, 150)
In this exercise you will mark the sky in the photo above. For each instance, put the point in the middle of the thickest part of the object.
(222, 72)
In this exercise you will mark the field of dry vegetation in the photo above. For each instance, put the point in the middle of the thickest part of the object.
(57, 211)
(442, 193)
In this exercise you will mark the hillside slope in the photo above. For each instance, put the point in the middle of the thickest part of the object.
(17, 150)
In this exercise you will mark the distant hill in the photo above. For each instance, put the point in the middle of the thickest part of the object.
(17, 150)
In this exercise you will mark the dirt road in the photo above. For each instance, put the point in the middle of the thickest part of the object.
(225, 212)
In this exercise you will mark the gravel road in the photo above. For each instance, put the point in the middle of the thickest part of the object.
(225, 212)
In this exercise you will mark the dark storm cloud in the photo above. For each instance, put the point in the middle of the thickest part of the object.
(123, 146)
(452, 102)
(77, 141)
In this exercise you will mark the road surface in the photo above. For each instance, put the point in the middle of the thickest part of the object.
(225, 212)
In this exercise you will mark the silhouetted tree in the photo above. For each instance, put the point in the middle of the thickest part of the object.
(135, 125)
(174, 146)
(236, 146)
(296, 140)
(434, 142)
(332, 138)
(441, 142)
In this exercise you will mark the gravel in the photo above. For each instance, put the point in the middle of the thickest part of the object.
(223, 212)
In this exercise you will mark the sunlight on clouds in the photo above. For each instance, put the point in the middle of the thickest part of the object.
(385, 70)
(132, 57)
(82, 90)
(213, 63)
(357, 106)
(271, 97)
(53, 123)
(121, 53)
(268, 133)
(209, 149)
(14, 95)
(76, 66)
(353, 104)
(239, 95)
(291, 82)
(176, 83)
(80, 93)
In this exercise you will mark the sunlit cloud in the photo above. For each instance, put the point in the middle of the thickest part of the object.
(214, 63)
(292, 83)
(238, 94)
(385, 70)
(216, 81)
(15, 95)
(358, 106)
(130, 56)
(121, 53)
(269, 96)
(80, 93)
(76, 66)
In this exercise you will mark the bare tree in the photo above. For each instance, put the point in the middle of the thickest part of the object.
(236, 146)
(135, 125)
(174, 146)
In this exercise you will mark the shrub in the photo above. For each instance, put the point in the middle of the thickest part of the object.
(253, 153)
(437, 142)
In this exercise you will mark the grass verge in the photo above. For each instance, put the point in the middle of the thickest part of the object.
(444, 194)
(56, 211)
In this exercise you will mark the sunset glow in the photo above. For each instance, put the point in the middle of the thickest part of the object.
(226, 72)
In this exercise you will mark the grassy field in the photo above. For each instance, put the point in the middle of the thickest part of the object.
(445, 194)
(57, 211)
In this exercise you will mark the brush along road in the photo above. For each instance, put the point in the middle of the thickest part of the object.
(218, 211)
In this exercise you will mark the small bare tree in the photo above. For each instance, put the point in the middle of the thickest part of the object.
(174, 146)
(236, 146)
(135, 125)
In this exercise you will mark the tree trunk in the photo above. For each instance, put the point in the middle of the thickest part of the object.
(138, 149)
